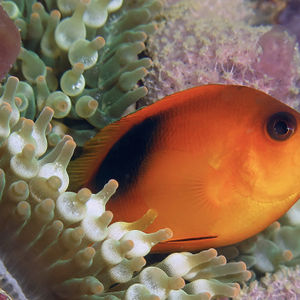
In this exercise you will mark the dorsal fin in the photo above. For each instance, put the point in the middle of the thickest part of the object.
(83, 169)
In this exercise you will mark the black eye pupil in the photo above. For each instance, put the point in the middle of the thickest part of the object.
(281, 126)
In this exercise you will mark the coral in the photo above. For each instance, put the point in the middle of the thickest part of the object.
(81, 59)
(217, 44)
(284, 284)
(61, 245)
(266, 12)
(289, 18)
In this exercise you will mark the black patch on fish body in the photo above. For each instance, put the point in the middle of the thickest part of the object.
(124, 160)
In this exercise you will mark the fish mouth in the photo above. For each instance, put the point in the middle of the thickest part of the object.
(192, 239)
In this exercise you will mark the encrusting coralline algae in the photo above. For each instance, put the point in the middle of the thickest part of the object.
(62, 245)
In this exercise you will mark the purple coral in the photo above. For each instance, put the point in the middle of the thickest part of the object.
(290, 18)
(284, 284)
(203, 43)
(275, 61)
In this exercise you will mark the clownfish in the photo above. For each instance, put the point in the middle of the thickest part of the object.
(218, 163)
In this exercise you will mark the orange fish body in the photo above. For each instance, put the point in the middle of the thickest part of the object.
(218, 163)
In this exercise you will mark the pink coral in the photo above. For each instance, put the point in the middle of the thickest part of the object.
(200, 43)
(276, 60)
(290, 18)
(284, 284)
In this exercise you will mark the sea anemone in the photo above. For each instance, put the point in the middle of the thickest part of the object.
(81, 58)
(60, 244)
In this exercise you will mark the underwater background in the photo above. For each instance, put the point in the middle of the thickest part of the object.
(82, 65)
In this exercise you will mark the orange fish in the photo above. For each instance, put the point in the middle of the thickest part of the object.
(218, 163)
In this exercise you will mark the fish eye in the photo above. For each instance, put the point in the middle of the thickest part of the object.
(281, 126)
